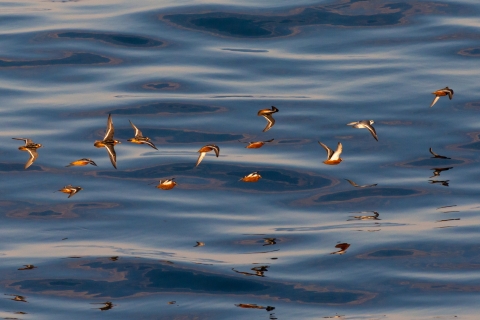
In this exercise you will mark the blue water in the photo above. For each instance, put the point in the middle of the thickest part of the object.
(301, 243)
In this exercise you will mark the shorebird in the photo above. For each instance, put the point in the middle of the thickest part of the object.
(441, 93)
(252, 177)
(17, 297)
(81, 162)
(70, 190)
(267, 114)
(333, 158)
(343, 248)
(139, 138)
(365, 124)
(442, 182)
(108, 142)
(114, 258)
(107, 305)
(256, 144)
(203, 151)
(437, 156)
(357, 186)
(254, 306)
(166, 184)
(373, 217)
(436, 172)
(27, 267)
(269, 241)
(199, 244)
(31, 148)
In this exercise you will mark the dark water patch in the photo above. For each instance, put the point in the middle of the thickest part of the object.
(162, 86)
(245, 50)
(360, 194)
(470, 52)
(475, 136)
(8, 167)
(112, 38)
(24, 210)
(432, 162)
(224, 176)
(165, 108)
(244, 25)
(163, 135)
(393, 253)
(69, 59)
(131, 278)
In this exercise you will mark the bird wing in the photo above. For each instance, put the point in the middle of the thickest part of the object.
(329, 151)
(269, 140)
(270, 122)
(93, 163)
(433, 153)
(217, 150)
(138, 133)
(72, 193)
(110, 129)
(200, 158)
(150, 144)
(372, 130)
(352, 183)
(450, 94)
(352, 123)
(112, 154)
(27, 141)
(337, 153)
(33, 157)
(434, 100)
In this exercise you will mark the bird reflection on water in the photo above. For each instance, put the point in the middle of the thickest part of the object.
(437, 156)
(259, 271)
(442, 182)
(254, 306)
(106, 306)
(437, 171)
(17, 297)
(357, 186)
(28, 267)
(343, 248)
(372, 217)
(269, 241)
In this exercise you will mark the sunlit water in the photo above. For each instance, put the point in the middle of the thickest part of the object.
(294, 245)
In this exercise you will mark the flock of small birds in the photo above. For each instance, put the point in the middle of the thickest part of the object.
(333, 158)
(108, 142)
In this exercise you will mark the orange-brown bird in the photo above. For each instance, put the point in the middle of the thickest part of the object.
(166, 184)
(441, 93)
(267, 114)
(252, 177)
(71, 190)
(203, 151)
(139, 138)
(333, 158)
(31, 148)
(256, 144)
(108, 142)
(82, 162)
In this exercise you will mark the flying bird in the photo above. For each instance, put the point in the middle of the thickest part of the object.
(373, 217)
(437, 171)
(203, 151)
(108, 142)
(442, 182)
(71, 190)
(31, 147)
(333, 158)
(357, 186)
(365, 124)
(267, 114)
(343, 248)
(139, 138)
(437, 156)
(27, 267)
(252, 177)
(256, 144)
(82, 162)
(166, 184)
(441, 93)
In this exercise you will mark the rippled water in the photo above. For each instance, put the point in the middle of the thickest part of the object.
(301, 243)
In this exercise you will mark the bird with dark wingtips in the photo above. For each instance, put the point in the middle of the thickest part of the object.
(333, 158)
(31, 148)
(108, 142)
(139, 138)
(437, 171)
(203, 151)
(441, 93)
(71, 190)
(442, 182)
(343, 248)
(252, 177)
(166, 184)
(256, 144)
(437, 156)
(81, 162)
(367, 124)
(364, 186)
(372, 217)
(27, 267)
(267, 114)
(106, 305)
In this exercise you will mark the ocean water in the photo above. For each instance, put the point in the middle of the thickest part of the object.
(302, 242)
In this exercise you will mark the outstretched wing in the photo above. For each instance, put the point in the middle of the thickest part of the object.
(216, 149)
(433, 153)
(72, 193)
(33, 157)
(337, 153)
(110, 129)
(200, 158)
(112, 154)
(27, 141)
(150, 144)
(270, 122)
(352, 183)
(138, 133)
(372, 131)
(434, 100)
(329, 151)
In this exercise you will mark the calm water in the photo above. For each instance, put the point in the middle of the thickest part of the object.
(190, 73)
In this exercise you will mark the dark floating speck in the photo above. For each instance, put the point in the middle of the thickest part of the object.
(163, 108)
(70, 59)
(112, 38)
(273, 25)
